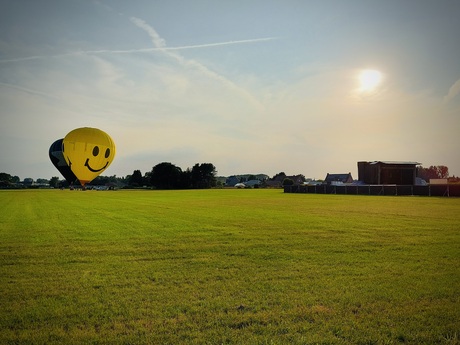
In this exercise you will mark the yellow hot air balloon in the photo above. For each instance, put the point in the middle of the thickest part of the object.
(88, 152)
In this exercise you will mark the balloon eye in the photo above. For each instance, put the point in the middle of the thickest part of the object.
(95, 151)
(107, 153)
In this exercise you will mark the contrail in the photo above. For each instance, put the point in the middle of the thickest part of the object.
(27, 90)
(38, 57)
(160, 44)
(140, 50)
(209, 45)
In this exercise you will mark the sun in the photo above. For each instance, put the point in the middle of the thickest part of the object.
(369, 80)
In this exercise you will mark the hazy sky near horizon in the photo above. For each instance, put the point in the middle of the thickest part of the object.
(257, 86)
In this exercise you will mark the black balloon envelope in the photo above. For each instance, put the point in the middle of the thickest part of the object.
(58, 160)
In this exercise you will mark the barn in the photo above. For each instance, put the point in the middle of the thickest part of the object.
(338, 178)
(387, 172)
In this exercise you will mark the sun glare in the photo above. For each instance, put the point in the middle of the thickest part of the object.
(369, 80)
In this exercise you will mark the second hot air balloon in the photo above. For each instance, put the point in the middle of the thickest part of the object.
(58, 160)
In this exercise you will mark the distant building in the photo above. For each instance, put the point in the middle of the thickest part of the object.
(338, 178)
(252, 183)
(387, 172)
(231, 181)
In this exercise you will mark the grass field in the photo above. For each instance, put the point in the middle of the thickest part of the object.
(227, 267)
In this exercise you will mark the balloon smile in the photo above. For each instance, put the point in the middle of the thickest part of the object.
(93, 170)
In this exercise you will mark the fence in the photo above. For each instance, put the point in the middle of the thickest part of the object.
(429, 190)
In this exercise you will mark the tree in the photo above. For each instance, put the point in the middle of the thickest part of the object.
(136, 179)
(433, 172)
(9, 178)
(105, 180)
(6, 180)
(443, 171)
(54, 182)
(147, 178)
(28, 181)
(280, 176)
(5, 177)
(288, 182)
(186, 179)
(166, 176)
(203, 175)
(209, 173)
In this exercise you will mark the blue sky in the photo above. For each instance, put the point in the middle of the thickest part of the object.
(250, 86)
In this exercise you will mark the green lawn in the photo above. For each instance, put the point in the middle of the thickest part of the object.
(227, 267)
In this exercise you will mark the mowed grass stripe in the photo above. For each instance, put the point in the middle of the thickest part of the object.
(227, 266)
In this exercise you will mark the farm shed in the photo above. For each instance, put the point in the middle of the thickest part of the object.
(387, 172)
(341, 178)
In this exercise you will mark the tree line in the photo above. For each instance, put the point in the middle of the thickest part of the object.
(166, 175)
(169, 176)
(162, 176)
(433, 172)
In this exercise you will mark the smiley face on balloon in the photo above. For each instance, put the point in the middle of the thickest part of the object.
(88, 152)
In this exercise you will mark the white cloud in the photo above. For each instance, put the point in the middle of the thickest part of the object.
(454, 91)
(158, 42)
